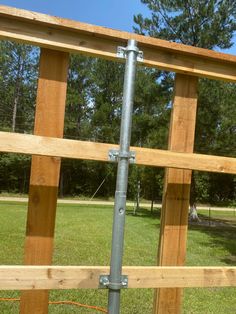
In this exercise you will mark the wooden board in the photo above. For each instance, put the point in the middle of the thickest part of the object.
(70, 36)
(44, 180)
(176, 194)
(87, 277)
(48, 146)
(104, 32)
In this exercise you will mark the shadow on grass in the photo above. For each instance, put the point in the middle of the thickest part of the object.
(145, 213)
(222, 232)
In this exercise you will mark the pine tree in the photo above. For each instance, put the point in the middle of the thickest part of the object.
(18, 75)
(207, 24)
(201, 23)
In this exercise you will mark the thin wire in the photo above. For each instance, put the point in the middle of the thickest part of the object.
(97, 308)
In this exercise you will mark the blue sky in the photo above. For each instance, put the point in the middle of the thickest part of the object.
(117, 14)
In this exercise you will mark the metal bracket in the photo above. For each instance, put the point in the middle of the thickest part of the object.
(114, 155)
(122, 53)
(104, 283)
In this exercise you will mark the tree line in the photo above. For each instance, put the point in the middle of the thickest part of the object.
(93, 108)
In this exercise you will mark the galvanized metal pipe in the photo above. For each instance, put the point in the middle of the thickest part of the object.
(115, 283)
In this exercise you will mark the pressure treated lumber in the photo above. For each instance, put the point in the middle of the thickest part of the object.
(176, 194)
(48, 146)
(87, 277)
(70, 36)
(44, 179)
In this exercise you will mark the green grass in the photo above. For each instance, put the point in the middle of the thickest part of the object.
(83, 237)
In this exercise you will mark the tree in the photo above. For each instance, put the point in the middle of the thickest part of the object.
(208, 24)
(106, 100)
(150, 127)
(94, 98)
(217, 106)
(18, 74)
(78, 111)
(19, 65)
(203, 23)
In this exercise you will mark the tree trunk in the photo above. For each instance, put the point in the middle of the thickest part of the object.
(61, 184)
(17, 92)
(193, 216)
(152, 202)
(136, 207)
(15, 105)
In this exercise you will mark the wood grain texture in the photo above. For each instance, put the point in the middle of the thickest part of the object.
(87, 277)
(55, 147)
(175, 205)
(44, 179)
(70, 36)
(104, 32)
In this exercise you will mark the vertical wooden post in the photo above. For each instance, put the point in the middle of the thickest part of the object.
(176, 194)
(49, 121)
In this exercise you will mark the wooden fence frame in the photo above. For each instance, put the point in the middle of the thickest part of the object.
(57, 37)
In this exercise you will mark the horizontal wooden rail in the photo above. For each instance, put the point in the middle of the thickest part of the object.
(55, 147)
(87, 277)
(62, 34)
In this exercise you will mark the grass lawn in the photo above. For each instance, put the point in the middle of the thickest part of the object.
(83, 237)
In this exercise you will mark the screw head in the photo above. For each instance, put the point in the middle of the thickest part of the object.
(104, 281)
(124, 282)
